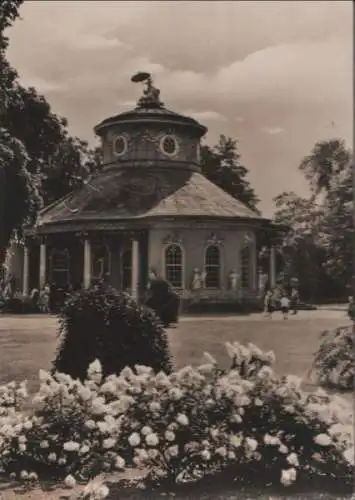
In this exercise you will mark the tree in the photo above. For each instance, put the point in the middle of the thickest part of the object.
(318, 248)
(221, 165)
(19, 198)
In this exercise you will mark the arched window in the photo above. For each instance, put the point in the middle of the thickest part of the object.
(174, 265)
(60, 264)
(100, 262)
(212, 267)
(126, 268)
(245, 266)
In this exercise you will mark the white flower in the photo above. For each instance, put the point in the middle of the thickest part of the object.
(349, 455)
(52, 457)
(235, 418)
(323, 440)
(205, 454)
(154, 406)
(271, 440)
(24, 474)
(153, 453)
(44, 444)
(175, 394)
(270, 357)
(231, 455)
(90, 424)
(22, 439)
(103, 427)
(22, 447)
(173, 451)
(182, 419)
(258, 402)
(95, 490)
(288, 476)
(94, 367)
(235, 441)
(70, 481)
(62, 461)
(290, 409)
(71, 446)
(214, 432)
(222, 451)
(120, 463)
(252, 444)
(152, 439)
(84, 449)
(210, 358)
(33, 476)
(292, 459)
(169, 436)
(146, 430)
(265, 372)
(134, 439)
(84, 393)
(27, 425)
(108, 443)
(162, 380)
(283, 449)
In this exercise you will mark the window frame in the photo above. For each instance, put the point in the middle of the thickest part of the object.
(182, 265)
(53, 270)
(219, 266)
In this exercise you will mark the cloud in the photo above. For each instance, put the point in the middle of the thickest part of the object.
(273, 130)
(247, 69)
(206, 115)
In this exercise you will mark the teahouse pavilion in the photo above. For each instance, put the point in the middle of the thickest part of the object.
(149, 209)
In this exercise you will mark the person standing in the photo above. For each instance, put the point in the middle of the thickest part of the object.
(268, 306)
(285, 305)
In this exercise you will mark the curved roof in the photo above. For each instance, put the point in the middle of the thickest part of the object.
(138, 194)
(151, 114)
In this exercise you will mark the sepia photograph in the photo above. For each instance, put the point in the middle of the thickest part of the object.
(177, 260)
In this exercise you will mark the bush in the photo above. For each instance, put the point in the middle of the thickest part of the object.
(19, 305)
(334, 363)
(102, 323)
(244, 424)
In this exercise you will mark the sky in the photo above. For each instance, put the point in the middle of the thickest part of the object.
(275, 75)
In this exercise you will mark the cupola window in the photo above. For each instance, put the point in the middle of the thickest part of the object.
(120, 145)
(168, 145)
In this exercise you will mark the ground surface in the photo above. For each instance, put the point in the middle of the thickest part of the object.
(28, 343)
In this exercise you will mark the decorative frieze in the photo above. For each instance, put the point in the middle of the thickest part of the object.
(172, 238)
(214, 240)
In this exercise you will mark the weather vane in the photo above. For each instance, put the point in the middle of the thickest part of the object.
(151, 94)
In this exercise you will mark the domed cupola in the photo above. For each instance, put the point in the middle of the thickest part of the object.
(150, 135)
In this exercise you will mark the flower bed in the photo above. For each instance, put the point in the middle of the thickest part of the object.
(240, 426)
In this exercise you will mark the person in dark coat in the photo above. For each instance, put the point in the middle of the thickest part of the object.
(164, 301)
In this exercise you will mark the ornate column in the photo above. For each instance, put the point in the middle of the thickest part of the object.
(25, 277)
(272, 276)
(135, 268)
(87, 262)
(42, 264)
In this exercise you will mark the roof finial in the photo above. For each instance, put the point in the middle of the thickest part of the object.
(150, 98)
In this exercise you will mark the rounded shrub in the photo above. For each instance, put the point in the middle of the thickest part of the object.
(334, 361)
(102, 323)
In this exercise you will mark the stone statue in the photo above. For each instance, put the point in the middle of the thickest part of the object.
(233, 279)
(196, 280)
(203, 277)
(263, 279)
(151, 94)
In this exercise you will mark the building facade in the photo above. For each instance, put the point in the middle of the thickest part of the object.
(149, 209)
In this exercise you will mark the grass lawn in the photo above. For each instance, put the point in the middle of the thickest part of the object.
(28, 343)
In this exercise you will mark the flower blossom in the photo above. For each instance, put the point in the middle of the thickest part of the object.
(44, 444)
(154, 406)
(349, 455)
(235, 441)
(182, 419)
(169, 436)
(173, 451)
(206, 455)
(52, 457)
(322, 440)
(70, 481)
(90, 424)
(120, 463)
(134, 439)
(252, 444)
(152, 439)
(271, 440)
(146, 430)
(71, 446)
(175, 394)
(283, 449)
(95, 489)
(108, 443)
(292, 459)
(288, 476)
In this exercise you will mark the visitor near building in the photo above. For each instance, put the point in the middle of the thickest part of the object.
(285, 306)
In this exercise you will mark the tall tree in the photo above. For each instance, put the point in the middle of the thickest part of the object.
(319, 244)
(221, 165)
